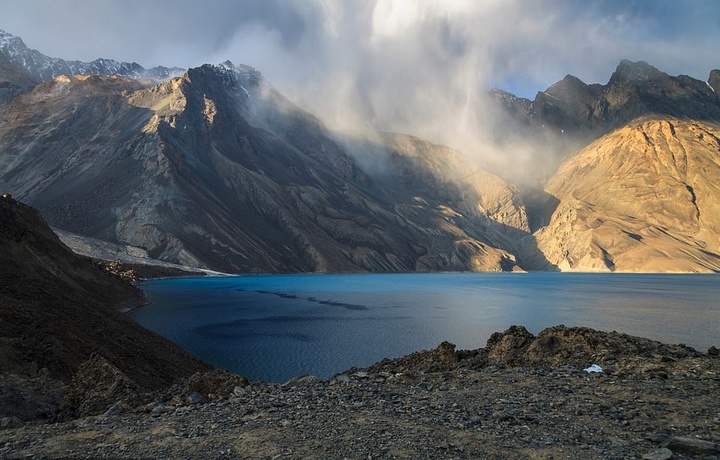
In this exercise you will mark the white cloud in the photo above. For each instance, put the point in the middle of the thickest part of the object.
(419, 66)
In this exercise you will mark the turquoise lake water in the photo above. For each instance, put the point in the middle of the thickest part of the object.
(277, 327)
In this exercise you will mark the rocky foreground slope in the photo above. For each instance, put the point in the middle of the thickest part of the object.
(65, 348)
(521, 397)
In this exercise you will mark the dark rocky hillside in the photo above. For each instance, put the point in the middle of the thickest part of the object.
(60, 321)
(575, 109)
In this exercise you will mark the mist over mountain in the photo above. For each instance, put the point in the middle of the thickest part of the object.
(217, 169)
(570, 113)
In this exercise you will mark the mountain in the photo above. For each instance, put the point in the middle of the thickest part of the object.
(216, 169)
(570, 113)
(576, 109)
(638, 163)
(60, 318)
(22, 67)
(644, 197)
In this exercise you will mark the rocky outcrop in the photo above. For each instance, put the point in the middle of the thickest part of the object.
(60, 324)
(642, 198)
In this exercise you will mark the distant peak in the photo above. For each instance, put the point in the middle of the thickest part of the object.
(9, 39)
(635, 71)
(569, 82)
(242, 69)
(245, 74)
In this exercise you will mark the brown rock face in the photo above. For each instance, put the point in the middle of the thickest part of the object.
(642, 198)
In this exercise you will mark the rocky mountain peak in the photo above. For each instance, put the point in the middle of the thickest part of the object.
(8, 41)
(640, 71)
(570, 82)
(241, 77)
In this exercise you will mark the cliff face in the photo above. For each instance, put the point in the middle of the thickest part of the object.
(57, 310)
(642, 198)
(216, 169)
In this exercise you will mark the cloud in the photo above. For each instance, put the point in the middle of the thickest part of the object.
(416, 66)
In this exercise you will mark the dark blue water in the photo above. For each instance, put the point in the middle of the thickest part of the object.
(278, 327)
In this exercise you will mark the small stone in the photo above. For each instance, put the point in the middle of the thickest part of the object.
(196, 398)
(239, 391)
(660, 454)
(116, 409)
(713, 351)
(342, 378)
(10, 422)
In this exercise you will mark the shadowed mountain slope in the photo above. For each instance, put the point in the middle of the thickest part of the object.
(57, 310)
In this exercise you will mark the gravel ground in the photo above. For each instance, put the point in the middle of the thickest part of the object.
(435, 404)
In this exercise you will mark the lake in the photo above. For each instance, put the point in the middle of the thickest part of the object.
(277, 327)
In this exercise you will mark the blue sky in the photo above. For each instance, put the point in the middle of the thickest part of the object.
(402, 63)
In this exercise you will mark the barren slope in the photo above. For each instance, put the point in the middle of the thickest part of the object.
(645, 197)
(59, 320)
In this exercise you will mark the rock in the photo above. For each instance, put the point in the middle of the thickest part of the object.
(301, 381)
(196, 398)
(215, 384)
(693, 446)
(342, 378)
(158, 410)
(713, 351)
(10, 422)
(239, 391)
(118, 408)
(96, 386)
(660, 454)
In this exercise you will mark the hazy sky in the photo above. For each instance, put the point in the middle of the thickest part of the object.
(401, 62)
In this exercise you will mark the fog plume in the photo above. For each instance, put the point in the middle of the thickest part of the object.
(421, 67)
